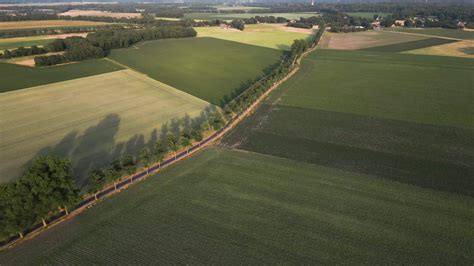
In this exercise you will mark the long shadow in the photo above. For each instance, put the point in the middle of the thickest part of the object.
(97, 147)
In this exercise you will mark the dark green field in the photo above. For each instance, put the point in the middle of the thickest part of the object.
(401, 118)
(16, 77)
(231, 207)
(450, 33)
(407, 46)
(211, 69)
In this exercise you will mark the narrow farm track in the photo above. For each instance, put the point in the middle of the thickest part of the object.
(90, 200)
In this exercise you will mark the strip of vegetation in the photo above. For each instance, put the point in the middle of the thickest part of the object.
(53, 31)
(22, 51)
(97, 44)
(47, 186)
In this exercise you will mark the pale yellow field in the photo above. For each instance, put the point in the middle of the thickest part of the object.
(46, 24)
(267, 35)
(96, 13)
(91, 120)
(451, 49)
(365, 39)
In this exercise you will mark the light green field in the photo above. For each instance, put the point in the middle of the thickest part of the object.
(12, 43)
(90, 120)
(209, 16)
(368, 15)
(229, 8)
(266, 35)
(224, 207)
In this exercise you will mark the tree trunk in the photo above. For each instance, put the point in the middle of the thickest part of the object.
(21, 234)
(115, 185)
(44, 222)
(65, 209)
(131, 179)
(159, 165)
(95, 196)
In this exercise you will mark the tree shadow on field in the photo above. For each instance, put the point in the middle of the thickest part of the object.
(97, 147)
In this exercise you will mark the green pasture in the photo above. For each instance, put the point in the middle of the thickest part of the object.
(450, 33)
(91, 120)
(6, 44)
(266, 35)
(211, 69)
(231, 16)
(368, 15)
(15, 77)
(233, 207)
(408, 46)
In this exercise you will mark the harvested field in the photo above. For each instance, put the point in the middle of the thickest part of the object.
(211, 69)
(437, 32)
(95, 13)
(267, 35)
(233, 207)
(35, 24)
(91, 120)
(13, 76)
(458, 49)
(365, 39)
(374, 119)
(407, 46)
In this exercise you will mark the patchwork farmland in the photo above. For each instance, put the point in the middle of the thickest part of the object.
(151, 141)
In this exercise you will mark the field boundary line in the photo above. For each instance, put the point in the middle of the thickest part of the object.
(89, 200)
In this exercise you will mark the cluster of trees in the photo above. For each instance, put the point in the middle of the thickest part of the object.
(339, 22)
(264, 19)
(22, 51)
(46, 187)
(238, 24)
(53, 31)
(97, 44)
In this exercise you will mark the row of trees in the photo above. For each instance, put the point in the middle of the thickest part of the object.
(264, 19)
(46, 187)
(53, 31)
(336, 20)
(97, 44)
(22, 51)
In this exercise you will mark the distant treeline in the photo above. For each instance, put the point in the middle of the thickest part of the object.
(264, 19)
(55, 30)
(97, 44)
(22, 51)
(339, 22)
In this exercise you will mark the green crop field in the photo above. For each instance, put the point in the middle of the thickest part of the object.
(408, 46)
(233, 207)
(211, 69)
(91, 120)
(450, 33)
(266, 35)
(400, 117)
(231, 16)
(368, 15)
(16, 77)
(7, 44)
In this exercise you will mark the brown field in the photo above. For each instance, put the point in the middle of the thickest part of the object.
(95, 13)
(46, 24)
(458, 49)
(365, 39)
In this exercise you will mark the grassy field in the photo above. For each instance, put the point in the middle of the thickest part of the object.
(209, 68)
(231, 207)
(25, 42)
(450, 33)
(16, 77)
(458, 49)
(364, 39)
(35, 24)
(368, 15)
(91, 120)
(209, 16)
(407, 46)
(401, 117)
(266, 35)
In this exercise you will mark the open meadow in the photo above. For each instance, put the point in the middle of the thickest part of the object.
(459, 49)
(13, 43)
(448, 33)
(372, 113)
(234, 207)
(13, 76)
(36, 24)
(91, 120)
(211, 69)
(267, 35)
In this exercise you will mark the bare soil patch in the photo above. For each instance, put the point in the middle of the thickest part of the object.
(96, 13)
